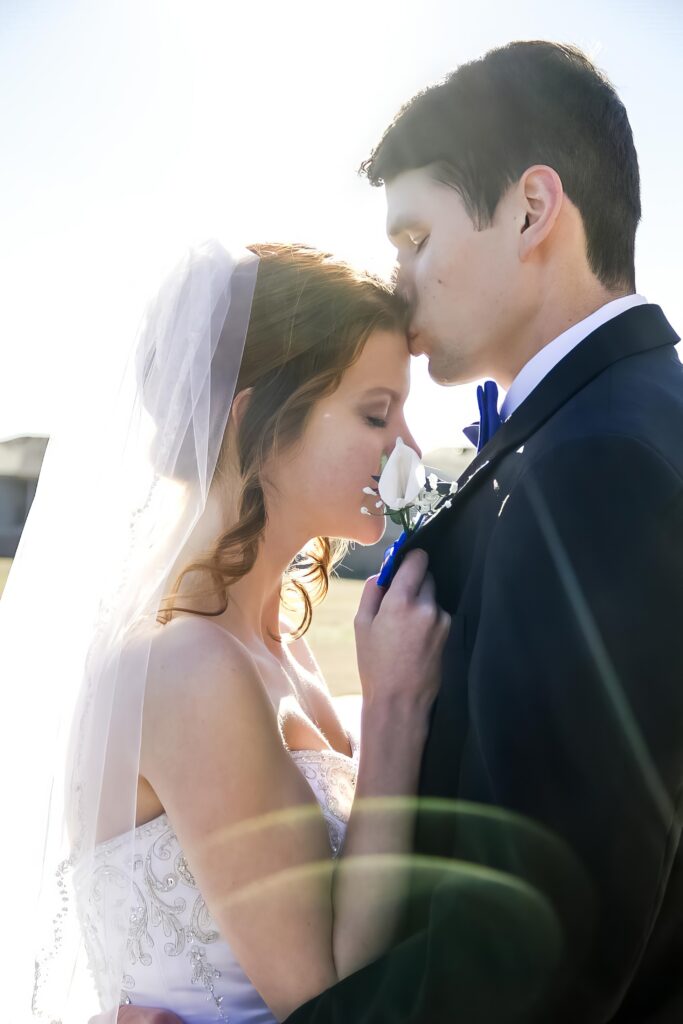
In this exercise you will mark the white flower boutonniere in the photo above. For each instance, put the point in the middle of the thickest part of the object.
(402, 478)
(407, 495)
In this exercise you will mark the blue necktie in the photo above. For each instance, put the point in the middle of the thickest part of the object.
(478, 433)
(489, 418)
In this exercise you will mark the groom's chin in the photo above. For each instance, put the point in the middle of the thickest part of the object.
(448, 372)
(440, 375)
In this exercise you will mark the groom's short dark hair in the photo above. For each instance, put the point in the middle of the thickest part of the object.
(523, 104)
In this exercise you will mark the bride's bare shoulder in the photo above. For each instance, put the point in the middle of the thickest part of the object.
(192, 652)
(204, 698)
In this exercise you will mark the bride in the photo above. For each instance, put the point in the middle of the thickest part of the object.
(214, 860)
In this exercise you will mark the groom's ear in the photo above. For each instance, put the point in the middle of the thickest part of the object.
(541, 195)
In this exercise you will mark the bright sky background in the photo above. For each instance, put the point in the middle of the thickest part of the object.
(132, 128)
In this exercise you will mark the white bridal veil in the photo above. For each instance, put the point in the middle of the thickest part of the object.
(121, 489)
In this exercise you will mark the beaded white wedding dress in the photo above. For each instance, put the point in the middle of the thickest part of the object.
(176, 958)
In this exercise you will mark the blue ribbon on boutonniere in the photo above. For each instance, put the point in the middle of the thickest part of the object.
(489, 418)
(408, 495)
(386, 571)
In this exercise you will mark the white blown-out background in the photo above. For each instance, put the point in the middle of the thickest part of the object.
(132, 128)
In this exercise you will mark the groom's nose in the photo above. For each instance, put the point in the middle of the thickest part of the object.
(402, 282)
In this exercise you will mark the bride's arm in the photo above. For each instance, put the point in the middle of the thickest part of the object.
(246, 818)
(368, 893)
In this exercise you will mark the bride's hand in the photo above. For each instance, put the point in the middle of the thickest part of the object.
(146, 1015)
(400, 635)
(139, 1015)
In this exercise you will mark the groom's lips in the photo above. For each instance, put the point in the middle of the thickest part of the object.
(414, 344)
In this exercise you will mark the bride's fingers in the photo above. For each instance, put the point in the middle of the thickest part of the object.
(409, 577)
(370, 602)
(427, 592)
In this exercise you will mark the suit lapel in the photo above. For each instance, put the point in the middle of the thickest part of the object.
(636, 330)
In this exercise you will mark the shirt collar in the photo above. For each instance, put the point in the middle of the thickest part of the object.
(533, 372)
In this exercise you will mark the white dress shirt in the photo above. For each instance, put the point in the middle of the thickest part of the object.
(533, 372)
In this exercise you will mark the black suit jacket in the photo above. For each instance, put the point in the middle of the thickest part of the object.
(557, 735)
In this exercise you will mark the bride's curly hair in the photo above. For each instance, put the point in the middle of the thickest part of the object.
(311, 316)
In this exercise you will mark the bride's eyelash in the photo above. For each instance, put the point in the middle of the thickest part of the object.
(376, 421)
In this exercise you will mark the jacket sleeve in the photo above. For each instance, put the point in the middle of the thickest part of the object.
(576, 686)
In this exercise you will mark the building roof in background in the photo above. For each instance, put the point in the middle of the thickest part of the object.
(22, 456)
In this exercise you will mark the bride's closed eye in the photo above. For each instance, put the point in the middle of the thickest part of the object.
(376, 421)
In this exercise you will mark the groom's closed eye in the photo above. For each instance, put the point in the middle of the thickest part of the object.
(418, 241)
(400, 227)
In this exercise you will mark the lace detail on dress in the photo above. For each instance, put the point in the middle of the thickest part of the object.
(332, 777)
(171, 931)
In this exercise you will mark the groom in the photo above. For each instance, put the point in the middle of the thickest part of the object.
(513, 201)
(556, 743)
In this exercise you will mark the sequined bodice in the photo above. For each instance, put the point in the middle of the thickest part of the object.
(176, 957)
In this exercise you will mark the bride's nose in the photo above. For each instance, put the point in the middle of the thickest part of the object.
(408, 439)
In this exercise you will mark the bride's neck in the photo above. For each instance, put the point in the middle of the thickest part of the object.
(256, 597)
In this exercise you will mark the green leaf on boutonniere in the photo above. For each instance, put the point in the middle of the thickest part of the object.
(397, 518)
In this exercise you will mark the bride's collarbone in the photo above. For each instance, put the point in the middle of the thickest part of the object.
(304, 710)
(300, 731)
(305, 714)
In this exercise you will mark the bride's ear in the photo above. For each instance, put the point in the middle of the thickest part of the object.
(239, 406)
(541, 194)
